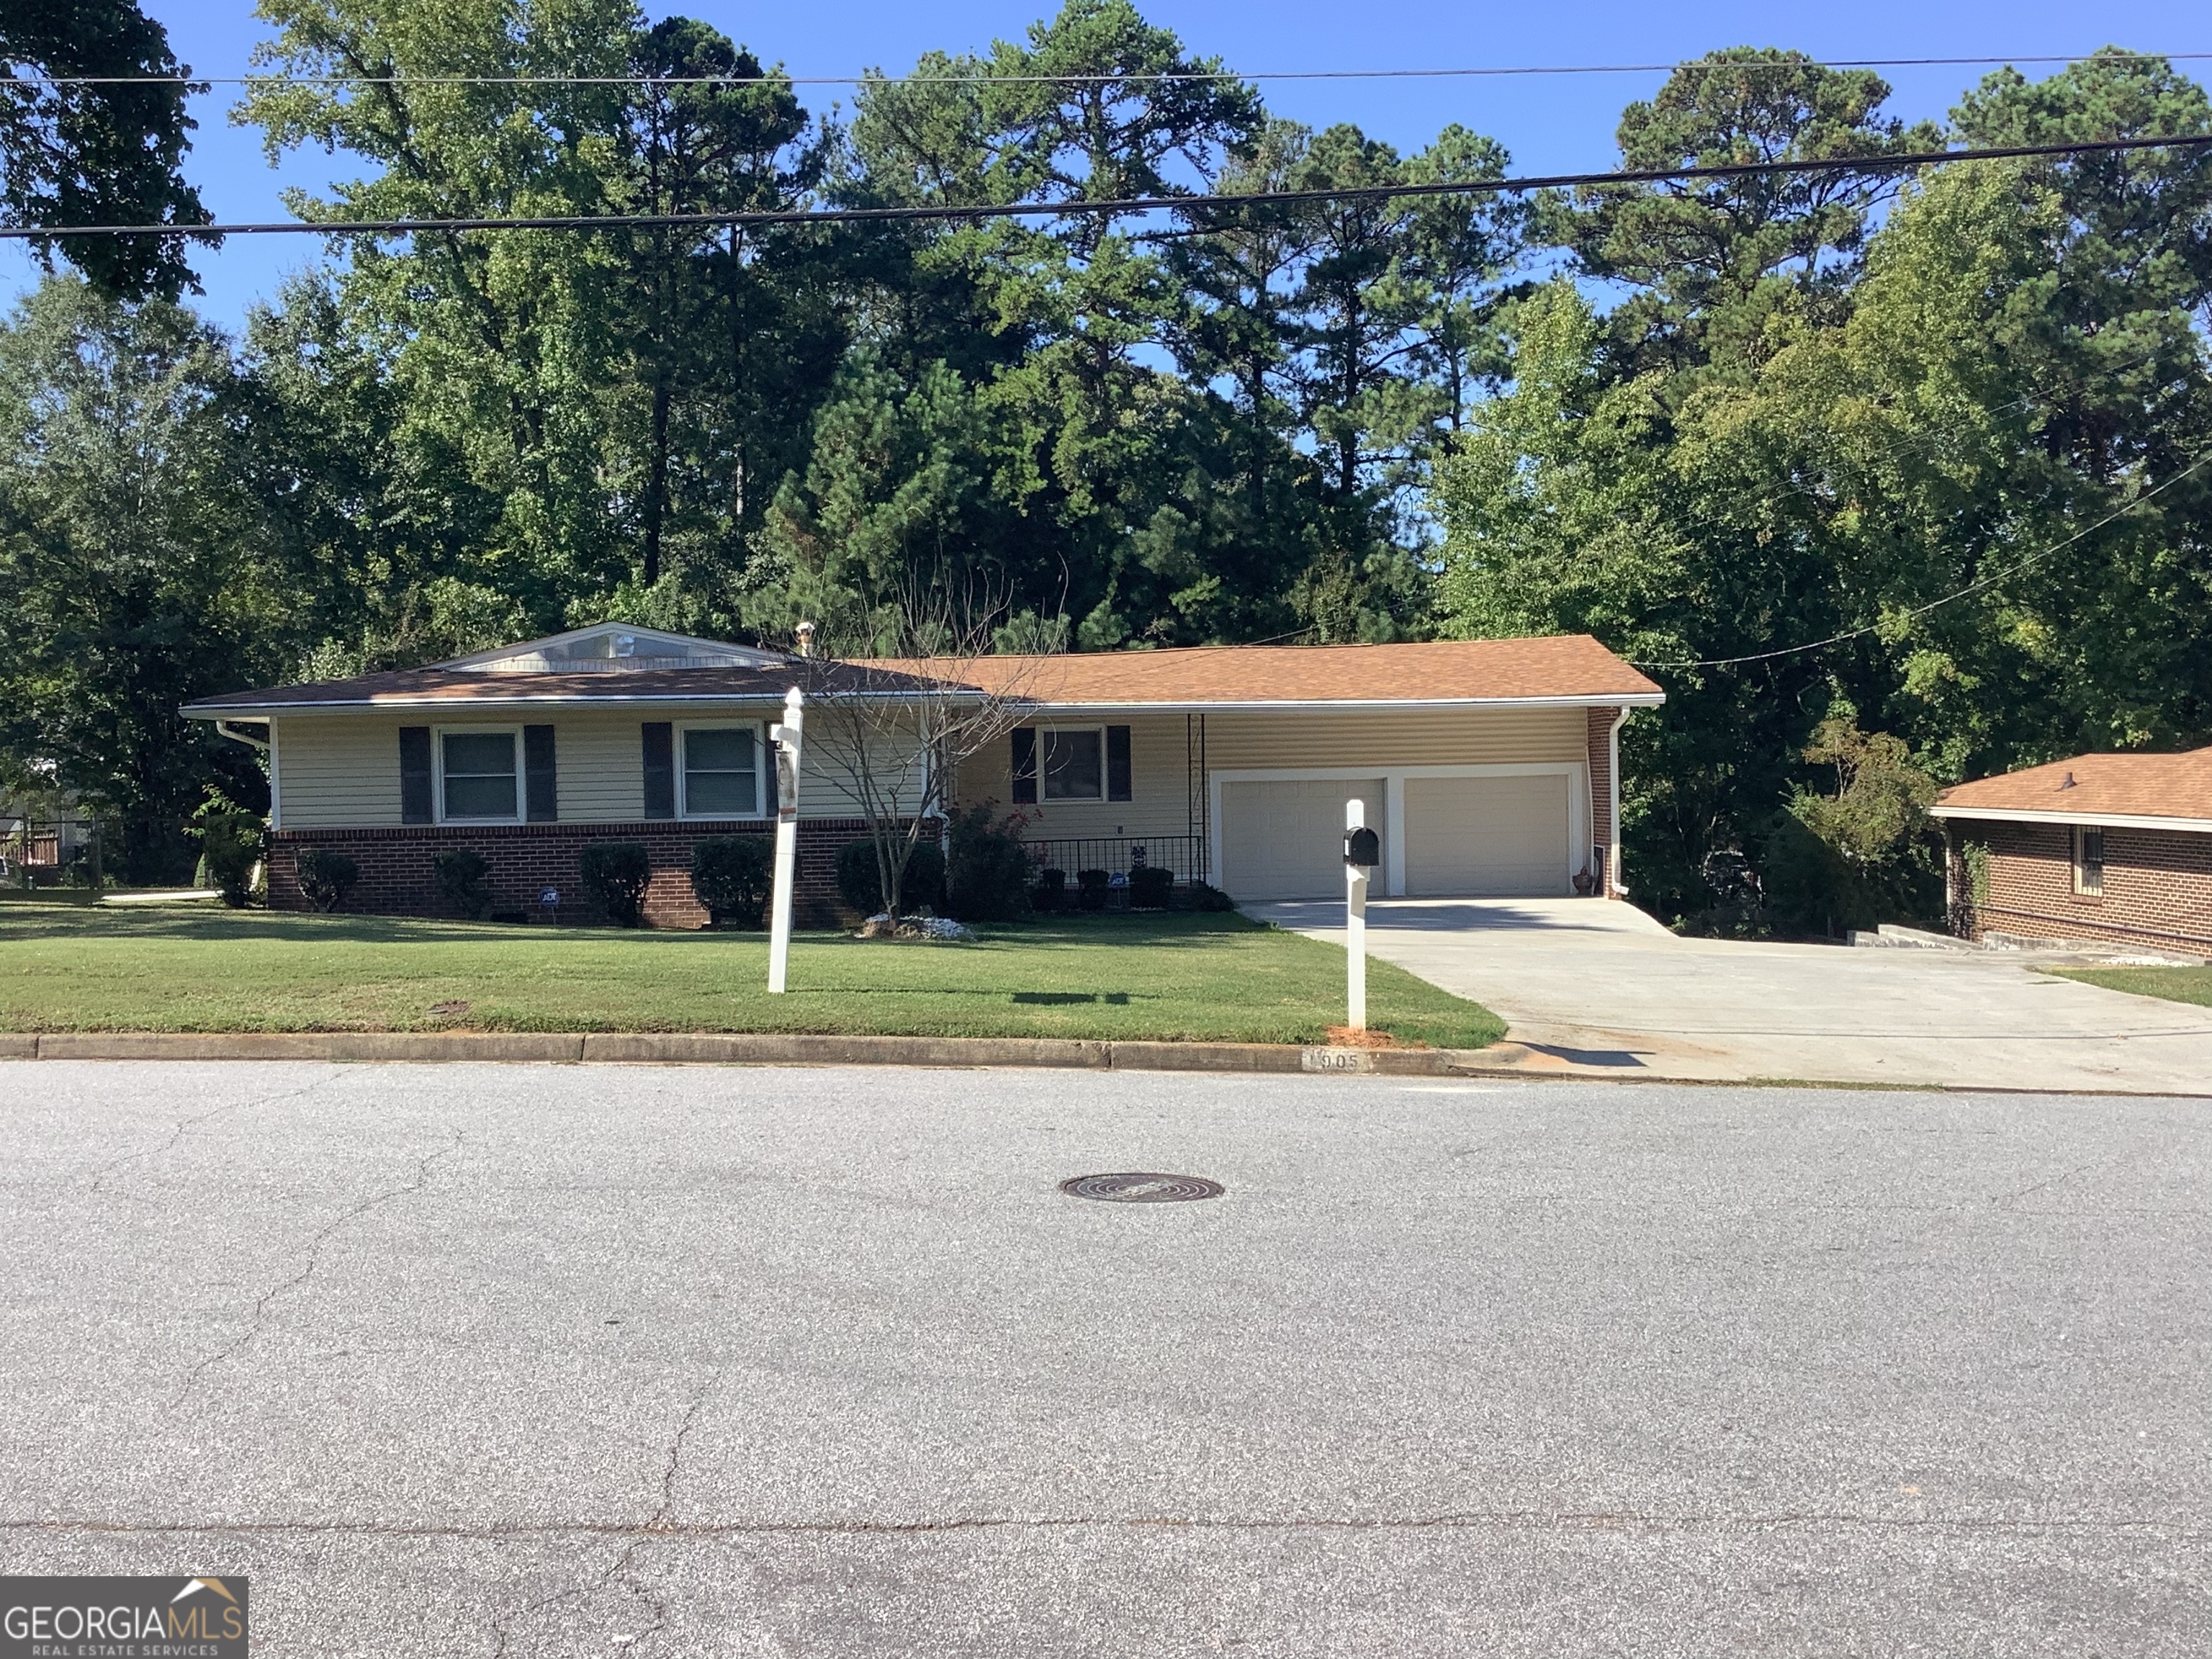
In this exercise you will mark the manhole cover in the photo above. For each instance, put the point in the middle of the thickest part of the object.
(1141, 1189)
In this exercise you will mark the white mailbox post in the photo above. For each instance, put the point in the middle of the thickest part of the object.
(787, 738)
(1362, 853)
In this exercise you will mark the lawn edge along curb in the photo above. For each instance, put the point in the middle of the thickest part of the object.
(726, 1049)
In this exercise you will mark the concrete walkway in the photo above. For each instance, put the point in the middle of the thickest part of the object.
(1594, 988)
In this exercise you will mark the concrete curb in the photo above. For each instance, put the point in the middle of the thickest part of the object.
(730, 1048)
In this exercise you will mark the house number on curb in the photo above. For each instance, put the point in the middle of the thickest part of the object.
(1335, 1059)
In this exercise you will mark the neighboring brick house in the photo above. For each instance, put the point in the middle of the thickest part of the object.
(1487, 766)
(2111, 848)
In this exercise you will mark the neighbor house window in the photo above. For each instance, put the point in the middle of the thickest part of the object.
(1074, 762)
(721, 772)
(477, 771)
(2089, 860)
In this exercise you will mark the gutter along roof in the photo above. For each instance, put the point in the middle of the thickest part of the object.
(1569, 670)
(2134, 791)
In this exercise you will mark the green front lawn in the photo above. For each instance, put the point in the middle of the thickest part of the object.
(2174, 984)
(198, 969)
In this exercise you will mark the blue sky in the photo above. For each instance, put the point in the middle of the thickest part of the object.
(1549, 123)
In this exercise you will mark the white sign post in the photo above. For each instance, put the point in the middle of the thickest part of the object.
(1355, 920)
(786, 738)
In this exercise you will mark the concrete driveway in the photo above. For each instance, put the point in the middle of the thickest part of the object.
(1592, 988)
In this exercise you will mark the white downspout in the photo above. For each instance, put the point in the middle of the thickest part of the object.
(267, 748)
(1614, 887)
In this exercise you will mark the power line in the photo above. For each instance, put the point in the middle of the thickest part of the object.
(1971, 588)
(1120, 205)
(1146, 76)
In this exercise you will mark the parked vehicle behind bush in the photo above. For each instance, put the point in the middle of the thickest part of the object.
(326, 875)
(731, 877)
(616, 873)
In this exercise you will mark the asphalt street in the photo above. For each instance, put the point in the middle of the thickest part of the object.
(694, 1361)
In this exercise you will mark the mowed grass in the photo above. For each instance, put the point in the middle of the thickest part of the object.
(2174, 984)
(195, 968)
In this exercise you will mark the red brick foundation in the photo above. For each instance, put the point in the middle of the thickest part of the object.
(2158, 885)
(395, 878)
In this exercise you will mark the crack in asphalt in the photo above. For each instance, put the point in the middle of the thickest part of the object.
(231, 1350)
(659, 1527)
(101, 1174)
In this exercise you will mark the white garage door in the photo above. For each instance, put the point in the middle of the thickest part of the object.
(1506, 836)
(1285, 841)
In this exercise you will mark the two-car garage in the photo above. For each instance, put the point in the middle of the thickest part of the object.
(1464, 831)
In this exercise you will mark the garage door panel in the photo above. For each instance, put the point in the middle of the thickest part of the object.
(1285, 840)
(1502, 837)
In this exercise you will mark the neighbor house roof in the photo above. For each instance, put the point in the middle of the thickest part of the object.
(1569, 668)
(2170, 791)
(607, 665)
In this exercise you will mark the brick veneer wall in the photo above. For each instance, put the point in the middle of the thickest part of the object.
(396, 878)
(2158, 885)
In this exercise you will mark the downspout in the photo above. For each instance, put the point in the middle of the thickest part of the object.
(267, 747)
(1614, 888)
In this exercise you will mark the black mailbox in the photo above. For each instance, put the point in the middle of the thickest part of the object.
(1362, 848)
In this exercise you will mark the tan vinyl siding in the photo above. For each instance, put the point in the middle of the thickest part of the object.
(338, 771)
(599, 754)
(1157, 782)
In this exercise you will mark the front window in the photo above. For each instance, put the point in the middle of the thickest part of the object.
(2088, 861)
(1075, 764)
(721, 772)
(478, 770)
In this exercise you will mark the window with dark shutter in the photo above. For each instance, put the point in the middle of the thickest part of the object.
(1117, 762)
(1025, 767)
(541, 791)
(415, 775)
(659, 769)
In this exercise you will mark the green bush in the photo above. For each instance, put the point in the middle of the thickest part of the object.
(858, 882)
(464, 880)
(615, 874)
(732, 877)
(986, 876)
(1149, 887)
(231, 841)
(1092, 887)
(1205, 896)
(327, 877)
(1051, 890)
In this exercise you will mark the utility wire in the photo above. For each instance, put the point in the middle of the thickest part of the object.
(1140, 76)
(1117, 205)
(1971, 588)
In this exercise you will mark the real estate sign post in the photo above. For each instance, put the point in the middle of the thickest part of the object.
(1358, 839)
(786, 738)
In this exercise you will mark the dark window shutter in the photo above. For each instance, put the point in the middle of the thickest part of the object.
(659, 769)
(1026, 774)
(415, 775)
(543, 796)
(1117, 762)
(771, 784)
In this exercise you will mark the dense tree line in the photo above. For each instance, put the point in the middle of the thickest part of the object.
(1700, 422)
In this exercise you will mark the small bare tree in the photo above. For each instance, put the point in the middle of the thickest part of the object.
(897, 728)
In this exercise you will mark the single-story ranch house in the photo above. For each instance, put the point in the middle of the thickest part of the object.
(1488, 766)
(2100, 847)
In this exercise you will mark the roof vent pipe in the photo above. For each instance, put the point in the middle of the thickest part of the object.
(806, 639)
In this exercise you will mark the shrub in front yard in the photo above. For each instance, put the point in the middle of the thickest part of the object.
(326, 875)
(987, 878)
(464, 880)
(1090, 888)
(1050, 893)
(231, 842)
(732, 877)
(861, 887)
(1149, 887)
(615, 874)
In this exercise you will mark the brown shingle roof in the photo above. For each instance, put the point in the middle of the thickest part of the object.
(407, 687)
(2103, 786)
(1568, 667)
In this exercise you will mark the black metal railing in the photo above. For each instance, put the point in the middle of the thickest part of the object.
(1119, 854)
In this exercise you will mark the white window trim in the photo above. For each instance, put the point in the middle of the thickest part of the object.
(438, 735)
(1576, 773)
(2079, 836)
(763, 758)
(1104, 783)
